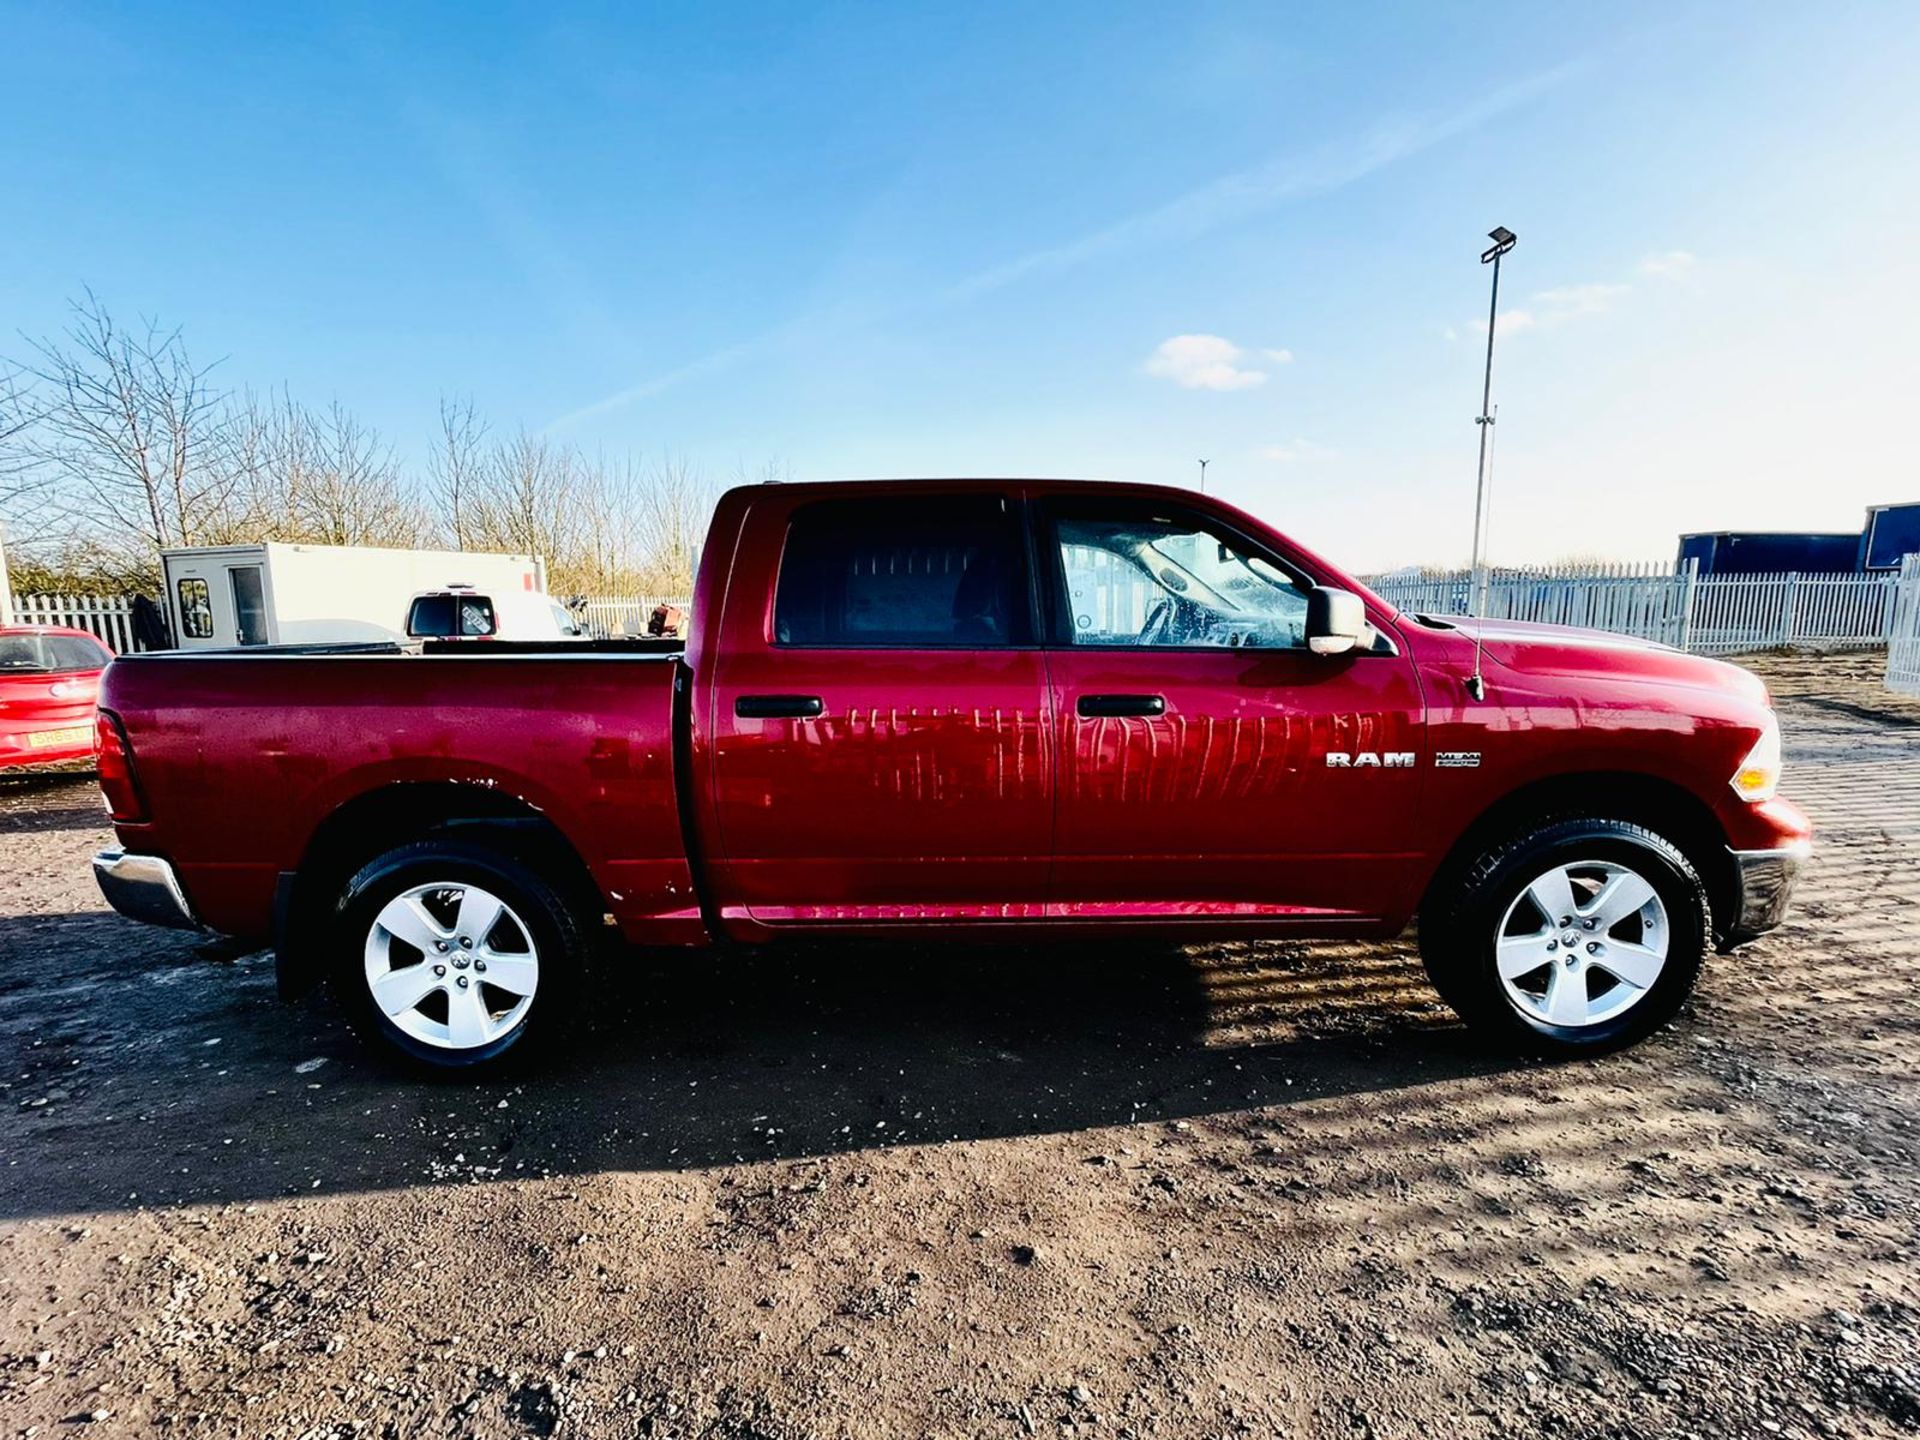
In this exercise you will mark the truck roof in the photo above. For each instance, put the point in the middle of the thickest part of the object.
(906, 485)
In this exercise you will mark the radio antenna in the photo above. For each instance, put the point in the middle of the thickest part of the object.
(1503, 241)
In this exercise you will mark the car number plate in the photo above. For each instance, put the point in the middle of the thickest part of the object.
(72, 735)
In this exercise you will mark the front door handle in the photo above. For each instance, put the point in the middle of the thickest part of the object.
(777, 707)
(1101, 707)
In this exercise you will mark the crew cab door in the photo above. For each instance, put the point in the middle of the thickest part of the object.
(880, 725)
(1209, 763)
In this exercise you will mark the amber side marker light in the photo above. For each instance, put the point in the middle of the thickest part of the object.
(1759, 774)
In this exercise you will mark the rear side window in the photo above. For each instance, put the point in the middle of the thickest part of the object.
(903, 574)
(196, 609)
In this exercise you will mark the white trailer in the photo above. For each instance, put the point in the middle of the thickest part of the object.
(218, 596)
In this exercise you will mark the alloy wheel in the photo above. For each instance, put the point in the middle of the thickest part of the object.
(1582, 944)
(451, 965)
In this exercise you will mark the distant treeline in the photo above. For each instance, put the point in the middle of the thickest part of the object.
(116, 444)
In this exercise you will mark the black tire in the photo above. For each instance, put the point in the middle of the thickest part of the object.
(540, 916)
(1461, 924)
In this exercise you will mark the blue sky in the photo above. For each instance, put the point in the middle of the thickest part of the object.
(1061, 240)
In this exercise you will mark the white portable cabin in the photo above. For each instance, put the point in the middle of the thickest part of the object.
(219, 596)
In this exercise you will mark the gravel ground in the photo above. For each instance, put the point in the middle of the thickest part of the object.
(1255, 1189)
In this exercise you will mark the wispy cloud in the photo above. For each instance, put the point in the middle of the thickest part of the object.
(1209, 362)
(1246, 193)
(1566, 301)
(1295, 451)
(1548, 308)
(1222, 201)
(1673, 265)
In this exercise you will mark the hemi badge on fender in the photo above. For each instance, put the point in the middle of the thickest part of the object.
(1456, 759)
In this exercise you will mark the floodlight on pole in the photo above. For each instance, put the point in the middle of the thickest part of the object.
(1203, 477)
(1503, 241)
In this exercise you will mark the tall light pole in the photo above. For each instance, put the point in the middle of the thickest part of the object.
(1203, 477)
(1503, 241)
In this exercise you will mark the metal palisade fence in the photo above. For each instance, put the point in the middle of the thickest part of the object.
(1903, 634)
(609, 617)
(1713, 614)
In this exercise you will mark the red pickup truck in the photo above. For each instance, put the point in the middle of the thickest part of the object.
(987, 709)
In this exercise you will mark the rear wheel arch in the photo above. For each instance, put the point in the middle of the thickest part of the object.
(1668, 809)
(378, 820)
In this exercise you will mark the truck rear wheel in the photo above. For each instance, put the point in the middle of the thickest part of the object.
(1582, 935)
(454, 955)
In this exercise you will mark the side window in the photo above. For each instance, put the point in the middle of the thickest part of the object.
(1151, 580)
(903, 574)
(476, 615)
(196, 609)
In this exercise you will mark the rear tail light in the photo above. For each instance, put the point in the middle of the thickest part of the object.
(113, 760)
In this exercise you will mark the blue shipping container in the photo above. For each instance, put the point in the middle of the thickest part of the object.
(1892, 531)
(1749, 552)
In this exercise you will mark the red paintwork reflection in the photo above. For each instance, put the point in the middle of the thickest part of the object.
(1227, 799)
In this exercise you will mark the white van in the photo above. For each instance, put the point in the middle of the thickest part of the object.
(465, 612)
(219, 596)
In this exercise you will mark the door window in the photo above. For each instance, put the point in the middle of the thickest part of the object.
(1149, 580)
(905, 574)
(249, 605)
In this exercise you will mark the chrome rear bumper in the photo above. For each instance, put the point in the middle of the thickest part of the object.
(144, 888)
(1765, 888)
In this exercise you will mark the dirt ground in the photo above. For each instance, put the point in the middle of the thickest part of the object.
(1255, 1189)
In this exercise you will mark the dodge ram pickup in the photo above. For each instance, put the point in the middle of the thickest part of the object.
(983, 709)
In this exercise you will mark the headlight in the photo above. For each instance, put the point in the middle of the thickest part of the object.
(1759, 774)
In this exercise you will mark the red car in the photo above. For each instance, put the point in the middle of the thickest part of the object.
(972, 709)
(49, 683)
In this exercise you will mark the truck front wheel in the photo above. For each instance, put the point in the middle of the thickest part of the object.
(455, 955)
(1578, 936)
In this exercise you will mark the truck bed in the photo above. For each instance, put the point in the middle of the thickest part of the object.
(244, 755)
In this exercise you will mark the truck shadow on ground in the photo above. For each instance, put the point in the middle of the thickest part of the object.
(141, 1072)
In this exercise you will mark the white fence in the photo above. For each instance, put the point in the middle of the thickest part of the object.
(1903, 635)
(1714, 614)
(108, 616)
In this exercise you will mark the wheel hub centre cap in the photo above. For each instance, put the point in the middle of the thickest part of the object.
(1570, 938)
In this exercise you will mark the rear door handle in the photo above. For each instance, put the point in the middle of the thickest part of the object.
(1101, 707)
(777, 707)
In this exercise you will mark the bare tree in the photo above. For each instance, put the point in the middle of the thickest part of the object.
(355, 493)
(676, 506)
(119, 436)
(114, 445)
(456, 466)
(17, 416)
